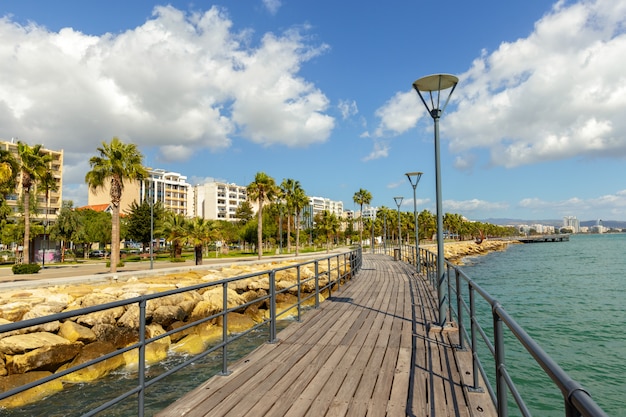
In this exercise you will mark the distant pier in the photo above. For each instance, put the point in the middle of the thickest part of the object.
(544, 238)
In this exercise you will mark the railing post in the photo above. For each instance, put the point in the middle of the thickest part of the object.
(329, 278)
(449, 287)
(224, 329)
(501, 386)
(299, 280)
(459, 309)
(272, 306)
(317, 284)
(474, 335)
(141, 368)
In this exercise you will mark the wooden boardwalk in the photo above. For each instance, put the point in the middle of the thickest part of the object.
(367, 351)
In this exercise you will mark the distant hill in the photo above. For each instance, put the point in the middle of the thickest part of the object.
(614, 224)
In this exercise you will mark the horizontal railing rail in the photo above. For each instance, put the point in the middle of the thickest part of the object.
(330, 272)
(577, 401)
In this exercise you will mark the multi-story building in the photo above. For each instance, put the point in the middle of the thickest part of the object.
(572, 223)
(171, 189)
(317, 205)
(217, 200)
(46, 209)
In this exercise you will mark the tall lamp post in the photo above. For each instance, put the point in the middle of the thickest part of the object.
(398, 201)
(414, 179)
(430, 84)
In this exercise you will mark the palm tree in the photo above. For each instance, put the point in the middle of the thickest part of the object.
(199, 232)
(328, 224)
(299, 201)
(49, 183)
(33, 166)
(9, 168)
(174, 229)
(362, 197)
(287, 189)
(116, 163)
(262, 189)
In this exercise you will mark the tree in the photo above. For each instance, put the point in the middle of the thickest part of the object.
(9, 169)
(49, 183)
(299, 202)
(287, 191)
(362, 197)
(328, 225)
(139, 220)
(116, 163)
(199, 231)
(34, 164)
(244, 212)
(67, 226)
(174, 230)
(262, 189)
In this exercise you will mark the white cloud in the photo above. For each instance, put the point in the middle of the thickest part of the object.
(347, 108)
(556, 94)
(381, 150)
(178, 82)
(609, 204)
(473, 206)
(272, 5)
(559, 93)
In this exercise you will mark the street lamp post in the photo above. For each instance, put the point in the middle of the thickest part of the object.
(415, 176)
(398, 201)
(436, 84)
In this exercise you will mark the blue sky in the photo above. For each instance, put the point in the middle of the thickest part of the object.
(320, 91)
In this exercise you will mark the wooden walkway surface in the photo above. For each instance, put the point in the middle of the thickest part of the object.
(367, 351)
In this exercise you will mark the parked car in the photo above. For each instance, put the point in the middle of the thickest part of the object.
(98, 254)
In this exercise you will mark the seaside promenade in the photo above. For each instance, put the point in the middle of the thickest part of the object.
(369, 350)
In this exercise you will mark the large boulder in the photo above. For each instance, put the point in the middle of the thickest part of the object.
(31, 395)
(155, 351)
(47, 358)
(108, 316)
(96, 371)
(168, 314)
(116, 336)
(23, 343)
(74, 332)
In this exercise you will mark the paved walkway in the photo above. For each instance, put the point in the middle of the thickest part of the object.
(367, 351)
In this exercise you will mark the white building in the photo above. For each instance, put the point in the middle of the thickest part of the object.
(317, 205)
(572, 223)
(217, 200)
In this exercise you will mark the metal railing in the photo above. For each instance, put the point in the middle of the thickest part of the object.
(577, 401)
(330, 273)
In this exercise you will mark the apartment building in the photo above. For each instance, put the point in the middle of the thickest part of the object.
(318, 205)
(217, 200)
(46, 210)
(171, 189)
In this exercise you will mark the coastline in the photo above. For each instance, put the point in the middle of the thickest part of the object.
(456, 252)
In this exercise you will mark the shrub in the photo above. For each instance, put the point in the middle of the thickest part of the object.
(177, 259)
(26, 268)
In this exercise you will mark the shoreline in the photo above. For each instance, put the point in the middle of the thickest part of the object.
(456, 252)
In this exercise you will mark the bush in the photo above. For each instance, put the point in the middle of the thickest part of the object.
(26, 268)
(119, 264)
(177, 259)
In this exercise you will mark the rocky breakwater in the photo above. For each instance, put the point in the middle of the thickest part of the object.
(33, 353)
(455, 252)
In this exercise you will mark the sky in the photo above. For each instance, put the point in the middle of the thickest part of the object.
(321, 92)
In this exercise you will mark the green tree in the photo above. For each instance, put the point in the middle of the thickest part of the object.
(174, 230)
(67, 226)
(96, 228)
(141, 218)
(34, 163)
(361, 198)
(262, 189)
(328, 225)
(287, 191)
(244, 212)
(299, 202)
(199, 232)
(117, 162)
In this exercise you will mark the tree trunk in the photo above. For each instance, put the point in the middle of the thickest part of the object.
(26, 246)
(198, 251)
(259, 230)
(297, 226)
(115, 236)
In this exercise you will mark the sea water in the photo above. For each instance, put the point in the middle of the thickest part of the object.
(571, 298)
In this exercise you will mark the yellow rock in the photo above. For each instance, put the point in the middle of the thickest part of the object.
(191, 344)
(93, 372)
(76, 333)
(31, 395)
(155, 351)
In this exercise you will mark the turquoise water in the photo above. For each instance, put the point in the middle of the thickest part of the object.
(570, 297)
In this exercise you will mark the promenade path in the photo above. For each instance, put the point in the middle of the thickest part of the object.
(369, 350)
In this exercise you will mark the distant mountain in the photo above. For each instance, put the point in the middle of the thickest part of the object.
(614, 224)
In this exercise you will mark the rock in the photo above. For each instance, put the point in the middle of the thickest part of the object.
(47, 358)
(31, 395)
(91, 373)
(74, 332)
(14, 311)
(191, 344)
(166, 315)
(213, 303)
(237, 322)
(155, 351)
(22, 343)
(108, 316)
(119, 337)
